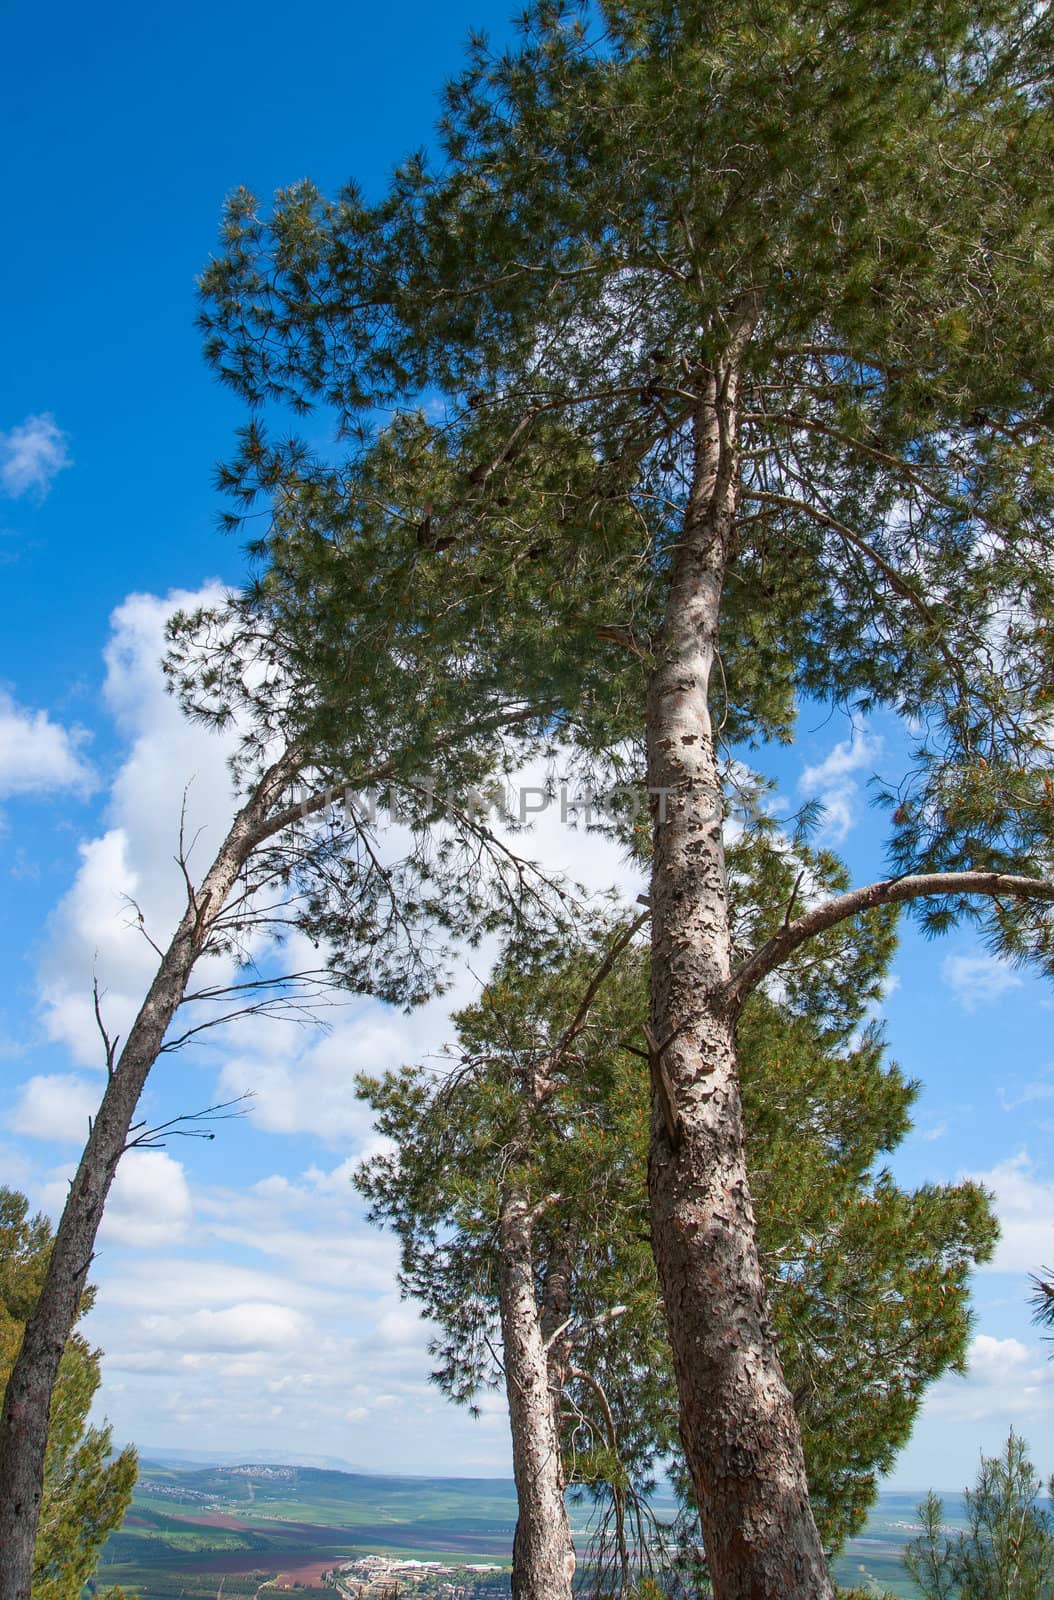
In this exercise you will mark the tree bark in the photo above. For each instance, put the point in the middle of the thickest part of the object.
(543, 1557)
(738, 1425)
(27, 1399)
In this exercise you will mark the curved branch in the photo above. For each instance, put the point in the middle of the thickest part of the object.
(887, 891)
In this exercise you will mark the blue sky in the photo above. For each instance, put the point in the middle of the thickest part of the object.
(244, 1304)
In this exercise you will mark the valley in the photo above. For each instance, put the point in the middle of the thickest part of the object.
(233, 1531)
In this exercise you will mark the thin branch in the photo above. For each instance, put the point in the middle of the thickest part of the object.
(109, 1045)
(183, 855)
(598, 979)
(301, 1010)
(317, 975)
(154, 1138)
(140, 924)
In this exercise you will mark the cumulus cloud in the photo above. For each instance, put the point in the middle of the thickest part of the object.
(55, 1106)
(302, 1082)
(38, 756)
(250, 1325)
(1024, 1203)
(197, 1343)
(129, 884)
(978, 980)
(833, 781)
(32, 454)
(1006, 1381)
(149, 1205)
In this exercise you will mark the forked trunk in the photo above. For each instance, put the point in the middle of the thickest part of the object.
(738, 1425)
(27, 1398)
(543, 1557)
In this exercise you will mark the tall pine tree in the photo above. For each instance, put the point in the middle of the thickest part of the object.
(517, 1185)
(305, 849)
(741, 315)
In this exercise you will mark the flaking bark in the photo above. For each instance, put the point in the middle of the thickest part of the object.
(738, 1427)
(543, 1552)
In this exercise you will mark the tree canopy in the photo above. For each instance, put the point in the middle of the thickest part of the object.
(710, 369)
(87, 1487)
(870, 189)
(868, 1282)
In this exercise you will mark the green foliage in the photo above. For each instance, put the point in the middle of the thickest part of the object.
(86, 1488)
(867, 187)
(1042, 1298)
(420, 736)
(868, 1282)
(851, 205)
(1007, 1549)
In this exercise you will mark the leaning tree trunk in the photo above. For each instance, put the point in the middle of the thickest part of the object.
(543, 1557)
(27, 1399)
(738, 1425)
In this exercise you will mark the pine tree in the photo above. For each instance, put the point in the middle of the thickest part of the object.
(87, 1488)
(525, 1165)
(1042, 1298)
(1007, 1549)
(741, 316)
(303, 851)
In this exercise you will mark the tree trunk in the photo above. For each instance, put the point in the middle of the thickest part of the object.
(27, 1399)
(738, 1426)
(543, 1556)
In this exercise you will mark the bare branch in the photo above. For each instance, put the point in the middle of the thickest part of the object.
(302, 1009)
(188, 1124)
(109, 1045)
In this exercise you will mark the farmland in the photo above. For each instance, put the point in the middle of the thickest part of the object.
(195, 1531)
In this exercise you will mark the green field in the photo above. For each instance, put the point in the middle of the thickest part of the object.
(191, 1531)
(190, 1528)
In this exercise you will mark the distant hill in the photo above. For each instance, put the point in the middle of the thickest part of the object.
(230, 1458)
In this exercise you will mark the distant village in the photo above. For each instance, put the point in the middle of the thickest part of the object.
(388, 1578)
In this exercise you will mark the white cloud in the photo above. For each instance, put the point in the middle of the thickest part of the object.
(833, 781)
(32, 454)
(1024, 1203)
(978, 980)
(133, 1285)
(250, 1325)
(1038, 1089)
(38, 756)
(303, 1082)
(149, 1205)
(1006, 1382)
(55, 1106)
(312, 1228)
(97, 924)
